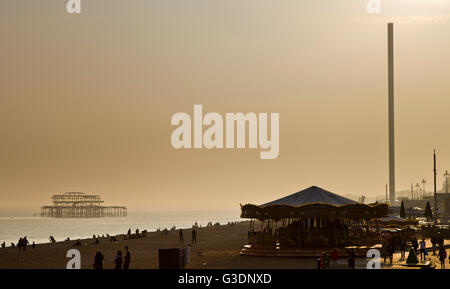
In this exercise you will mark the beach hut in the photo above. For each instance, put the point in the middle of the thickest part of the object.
(313, 217)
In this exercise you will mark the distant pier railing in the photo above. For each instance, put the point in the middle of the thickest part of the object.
(80, 205)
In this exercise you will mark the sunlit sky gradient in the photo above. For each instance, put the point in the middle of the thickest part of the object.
(86, 100)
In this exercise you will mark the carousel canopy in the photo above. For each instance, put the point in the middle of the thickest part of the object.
(314, 202)
(311, 195)
(394, 220)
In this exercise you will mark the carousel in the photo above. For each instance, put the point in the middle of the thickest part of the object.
(396, 229)
(313, 218)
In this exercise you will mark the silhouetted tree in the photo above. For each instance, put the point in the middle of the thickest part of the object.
(402, 210)
(428, 212)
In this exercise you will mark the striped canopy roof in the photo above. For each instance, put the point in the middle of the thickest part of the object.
(311, 195)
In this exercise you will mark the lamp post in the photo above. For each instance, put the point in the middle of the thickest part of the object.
(435, 195)
(446, 181)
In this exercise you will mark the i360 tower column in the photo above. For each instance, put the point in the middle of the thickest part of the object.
(391, 113)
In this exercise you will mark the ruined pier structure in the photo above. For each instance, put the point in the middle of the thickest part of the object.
(80, 205)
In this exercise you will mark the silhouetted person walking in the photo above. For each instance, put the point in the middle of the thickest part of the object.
(19, 244)
(334, 257)
(118, 260)
(402, 249)
(442, 256)
(180, 233)
(25, 243)
(415, 244)
(98, 260)
(127, 260)
(194, 236)
(434, 242)
(351, 259)
(391, 251)
(422, 250)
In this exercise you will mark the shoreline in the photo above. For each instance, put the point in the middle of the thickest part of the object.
(39, 229)
(107, 235)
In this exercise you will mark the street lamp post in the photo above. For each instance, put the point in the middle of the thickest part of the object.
(435, 195)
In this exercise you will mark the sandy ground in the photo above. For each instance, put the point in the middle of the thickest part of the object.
(217, 248)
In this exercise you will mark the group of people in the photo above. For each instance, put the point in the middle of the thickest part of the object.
(388, 250)
(193, 237)
(120, 261)
(137, 234)
(420, 247)
(23, 243)
(329, 260)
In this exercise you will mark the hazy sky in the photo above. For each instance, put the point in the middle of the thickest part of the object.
(86, 100)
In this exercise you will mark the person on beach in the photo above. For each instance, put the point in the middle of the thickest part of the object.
(422, 247)
(25, 243)
(391, 251)
(3, 244)
(384, 250)
(194, 236)
(19, 244)
(180, 233)
(118, 260)
(33, 245)
(126, 262)
(415, 244)
(434, 242)
(440, 239)
(402, 249)
(351, 258)
(442, 256)
(98, 260)
(334, 258)
(327, 260)
(52, 240)
(322, 261)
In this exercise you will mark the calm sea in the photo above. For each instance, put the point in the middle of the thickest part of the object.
(16, 224)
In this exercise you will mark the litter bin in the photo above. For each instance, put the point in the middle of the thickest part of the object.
(171, 258)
